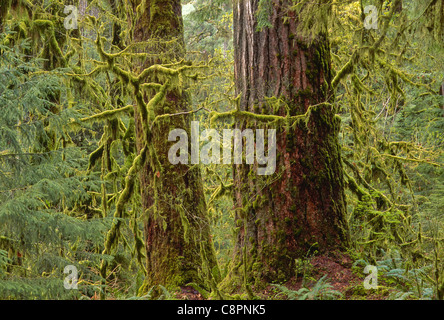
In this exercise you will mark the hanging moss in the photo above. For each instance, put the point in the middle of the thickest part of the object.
(346, 70)
(47, 27)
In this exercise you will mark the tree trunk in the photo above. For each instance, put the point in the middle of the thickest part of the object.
(301, 207)
(441, 92)
(177, 233)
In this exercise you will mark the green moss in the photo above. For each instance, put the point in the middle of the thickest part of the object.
(47, 27)
(280, 235)
(305, 93)
(257, 267)
(297, 232)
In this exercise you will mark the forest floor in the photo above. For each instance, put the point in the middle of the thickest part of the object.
(339, 272)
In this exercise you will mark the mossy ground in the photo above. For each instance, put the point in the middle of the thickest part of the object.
(340, 271)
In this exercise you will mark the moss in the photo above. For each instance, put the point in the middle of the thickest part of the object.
(302, 44)
(256, 203)
(281, 236)
(257, 267)
(305, 93)
(108, 114)
(95, 156)
(345, 70)
(47, 27)
(297, 232)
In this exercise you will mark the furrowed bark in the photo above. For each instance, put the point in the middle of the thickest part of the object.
(301, 207)
(177, 233)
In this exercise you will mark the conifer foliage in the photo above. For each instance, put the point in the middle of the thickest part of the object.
(40, 183)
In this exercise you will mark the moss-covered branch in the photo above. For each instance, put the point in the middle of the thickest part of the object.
(166, 115)
(125, 195)
(108, 114)
(409, 159)
(48, 27)
(129, 183)
(239, 114)
(401, 74)
(94, 156)
(345, 70)
(266, 118)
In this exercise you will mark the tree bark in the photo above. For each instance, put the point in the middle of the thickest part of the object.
(177, 233)
(441, 92)
(301, 207)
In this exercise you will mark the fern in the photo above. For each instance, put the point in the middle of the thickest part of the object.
(414, 282)
(322, 290)
(153, 294)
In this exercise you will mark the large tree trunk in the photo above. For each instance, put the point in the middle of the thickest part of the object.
(177, 233)
(301, 207)
(441, 92)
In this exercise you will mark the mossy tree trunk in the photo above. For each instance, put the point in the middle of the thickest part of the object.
(441, 92)
(177, 232)
(301, 207)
